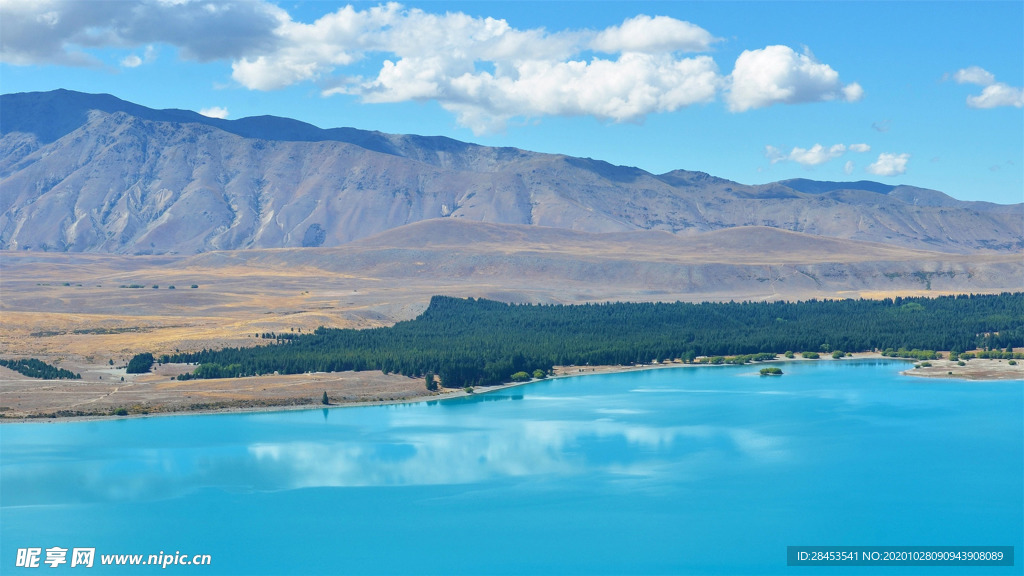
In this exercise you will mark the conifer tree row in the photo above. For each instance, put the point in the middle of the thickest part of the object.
(468, 342)
(35, 368)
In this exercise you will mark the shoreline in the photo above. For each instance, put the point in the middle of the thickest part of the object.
(448, 395)
(977, 370)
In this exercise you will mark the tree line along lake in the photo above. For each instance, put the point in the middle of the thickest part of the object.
(471, 342)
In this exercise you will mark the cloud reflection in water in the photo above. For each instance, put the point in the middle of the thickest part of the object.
(511, 449)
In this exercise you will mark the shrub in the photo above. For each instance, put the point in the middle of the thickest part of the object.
(773, 371)
(810, 355)
(520, 377)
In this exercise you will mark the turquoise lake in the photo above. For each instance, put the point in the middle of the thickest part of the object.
(711, 470)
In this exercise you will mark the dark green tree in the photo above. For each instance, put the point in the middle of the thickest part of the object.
(140, 363)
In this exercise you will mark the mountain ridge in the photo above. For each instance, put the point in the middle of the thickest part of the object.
(94, 173)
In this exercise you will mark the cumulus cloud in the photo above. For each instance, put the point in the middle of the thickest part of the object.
(994, 95)
(482, 69)
(487, 72)
(814, 155)
(311, 51)
(620, 90)
(215, 112)
(889, 164)
(997, 95)
(848, 168)
(653, 35)
(779, 75)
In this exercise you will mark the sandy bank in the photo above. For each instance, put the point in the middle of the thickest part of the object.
(973, 369)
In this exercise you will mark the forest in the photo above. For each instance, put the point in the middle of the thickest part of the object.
(468, 342)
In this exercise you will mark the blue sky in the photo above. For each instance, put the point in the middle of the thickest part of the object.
(921, 93)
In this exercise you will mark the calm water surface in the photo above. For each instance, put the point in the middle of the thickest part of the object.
(690, 470)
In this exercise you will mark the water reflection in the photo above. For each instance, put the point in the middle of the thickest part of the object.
(480, 449)
(521, 449)
(665, 428)
(576, 475)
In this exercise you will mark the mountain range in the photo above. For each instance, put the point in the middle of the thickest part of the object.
(93, 173)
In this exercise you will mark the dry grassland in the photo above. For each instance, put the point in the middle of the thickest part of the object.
(101, 394)
(77, 312)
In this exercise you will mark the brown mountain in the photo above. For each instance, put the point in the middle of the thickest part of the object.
(92, 173)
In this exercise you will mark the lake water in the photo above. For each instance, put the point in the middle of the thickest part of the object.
(711, 470)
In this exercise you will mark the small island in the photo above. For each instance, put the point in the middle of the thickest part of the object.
(771, 371)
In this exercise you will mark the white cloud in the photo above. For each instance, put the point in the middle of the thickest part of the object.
(131, 61)
(482, 69)
(816, 154)
(853, 92)
(812, 156)
(994, 95)
(889, 164)
(532, 73)
(620, 90)
(655, 35)
(308, 52)
(974, 75)
(215, 112)
(134, 60)
(997, 95)
(848, 168)
(777, 74)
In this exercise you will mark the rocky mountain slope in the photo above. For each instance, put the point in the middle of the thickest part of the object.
(92, 173)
